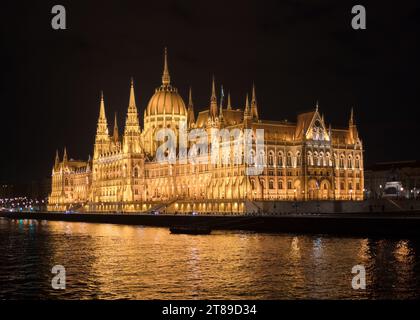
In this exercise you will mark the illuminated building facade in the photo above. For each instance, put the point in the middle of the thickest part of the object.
(305, 160)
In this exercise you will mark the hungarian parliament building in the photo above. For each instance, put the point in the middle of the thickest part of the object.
(302, 160)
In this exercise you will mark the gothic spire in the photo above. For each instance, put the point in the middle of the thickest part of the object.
(247, 111)
(102, 128)
(115, 135)
(166, 78)
(190, 115)
(65, 155)
(229, 106)
(254, 109)
(132, 120)
(351, 121)
(213, 100)
(57, 159)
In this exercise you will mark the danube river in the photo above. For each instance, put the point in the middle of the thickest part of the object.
(132, 262)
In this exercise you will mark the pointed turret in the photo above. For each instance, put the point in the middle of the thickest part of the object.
(102, 138)
(57, 160)
(229, 106)
(247, 112)
(166, 78)
(254, 109)
(221, 118)
(190, 112)
(65, 155)
(213, 101)
(115, 134)
(353, 133)
(132, 126)
(316, 106)
(351, 121)
(102, 128)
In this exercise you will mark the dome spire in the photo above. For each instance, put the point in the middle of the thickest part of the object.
(166, 78)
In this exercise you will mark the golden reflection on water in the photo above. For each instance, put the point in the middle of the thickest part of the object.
(132, 262)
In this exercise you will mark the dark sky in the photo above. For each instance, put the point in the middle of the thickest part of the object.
(297, 52)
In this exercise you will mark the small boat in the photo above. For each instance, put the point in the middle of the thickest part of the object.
(189, 230)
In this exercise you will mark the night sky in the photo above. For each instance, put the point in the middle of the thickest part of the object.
(296, 52)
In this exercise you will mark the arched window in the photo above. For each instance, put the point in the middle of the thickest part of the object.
(321, 159)
(261, 159)
(136, 172)
(289, 184)
(271, 184)
(341, 161)
(280, 160)
(316, 159)
(357, 162)
(280, 184)
(253, 184)
(328, 159)
(310, 159)
(251, 157)
(289, 159)
(298, 159)
(271, 159)
(349, 163)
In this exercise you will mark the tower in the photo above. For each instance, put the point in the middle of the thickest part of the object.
(131, 139)
(102, 136)
(213, 102)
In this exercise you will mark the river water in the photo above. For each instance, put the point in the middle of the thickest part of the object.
(105, 261)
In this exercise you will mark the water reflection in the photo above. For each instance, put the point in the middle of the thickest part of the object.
(114, 261)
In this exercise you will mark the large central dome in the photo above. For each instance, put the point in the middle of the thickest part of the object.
(166, 100)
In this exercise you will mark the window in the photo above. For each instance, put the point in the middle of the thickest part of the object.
(271, 184)
(298, 159)
(349, 163)
(271, 159)
(280, 184)
(310, 160)
(289, 184)
(342, 162)
(280, 160)
(289, 160)
(357, 163)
